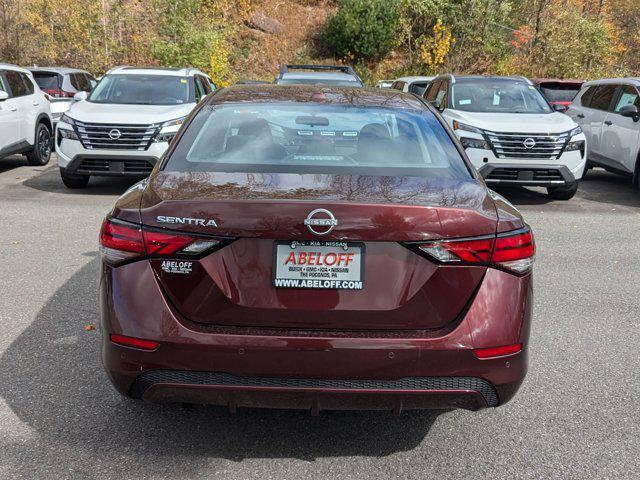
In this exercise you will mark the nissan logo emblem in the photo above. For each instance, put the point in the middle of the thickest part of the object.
(114, 134)
(529, 142)
(320, 217)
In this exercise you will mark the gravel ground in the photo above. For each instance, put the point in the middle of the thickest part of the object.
(577, 415)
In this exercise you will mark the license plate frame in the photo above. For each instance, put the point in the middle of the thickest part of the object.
(352, 280)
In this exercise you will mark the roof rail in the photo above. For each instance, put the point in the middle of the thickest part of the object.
(118, 67)
(341, 68)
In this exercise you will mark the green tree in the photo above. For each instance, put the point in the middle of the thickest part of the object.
(363, 29)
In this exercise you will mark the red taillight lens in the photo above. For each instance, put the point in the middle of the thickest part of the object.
(121, 241)
(477, 251)
(512, 251)
(59, 93)
(134, 342)
(502, 351)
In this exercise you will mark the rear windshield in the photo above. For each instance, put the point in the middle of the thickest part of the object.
(46, 80)
(497, 95)
(558, 92)
(317, 138)
(136, 89)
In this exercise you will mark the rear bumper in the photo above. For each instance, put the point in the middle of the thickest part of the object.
(317, 371)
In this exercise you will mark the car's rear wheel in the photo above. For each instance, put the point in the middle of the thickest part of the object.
(71, 180)
(563, 193)
(41, 152)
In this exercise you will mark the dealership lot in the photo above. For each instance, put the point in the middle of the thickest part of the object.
(576, 416)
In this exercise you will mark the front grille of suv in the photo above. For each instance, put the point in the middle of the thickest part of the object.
(535, 146)
(116, 137)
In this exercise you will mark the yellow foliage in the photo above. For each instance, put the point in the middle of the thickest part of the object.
(220, 70)
(433, 50)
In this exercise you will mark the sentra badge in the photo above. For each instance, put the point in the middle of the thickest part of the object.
(202, 222)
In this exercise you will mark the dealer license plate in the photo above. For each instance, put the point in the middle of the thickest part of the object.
(324, 265)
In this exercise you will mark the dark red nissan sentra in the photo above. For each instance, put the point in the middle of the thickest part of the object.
(316, 248)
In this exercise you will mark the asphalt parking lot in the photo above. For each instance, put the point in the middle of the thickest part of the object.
(577, 415)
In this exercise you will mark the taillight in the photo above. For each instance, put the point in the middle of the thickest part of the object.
(121, 241)
(511, 251)
(57, 93)
(514, 251)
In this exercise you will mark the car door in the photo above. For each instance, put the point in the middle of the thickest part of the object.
(23, 102)
(579, 110)
(9, 123)
(621, 135)
(595, 115)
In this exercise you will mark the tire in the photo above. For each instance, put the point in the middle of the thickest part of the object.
(636, 176)
(563, 193)
(73, 181)
(41, 152)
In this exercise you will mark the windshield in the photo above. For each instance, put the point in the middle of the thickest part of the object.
(142, 90)
(558, 92)
(317, 138)
(492, 95)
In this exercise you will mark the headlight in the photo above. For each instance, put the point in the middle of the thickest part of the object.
(171, 123)
(467, 128)
(67, 119)
(168, 130)
(575, 131)
(68, 134)
(577, 145)
(474, 143)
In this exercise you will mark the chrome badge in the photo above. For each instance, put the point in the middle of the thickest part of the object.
(320, 217)
(202, 222)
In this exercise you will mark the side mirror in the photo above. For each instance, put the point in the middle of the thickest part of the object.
(560, 108)
(3, 95)
(214, 87)
(435, 103)
(80, 96)
(630, 111)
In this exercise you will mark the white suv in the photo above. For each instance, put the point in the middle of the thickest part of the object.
(25, 116)
(608, 111)
(125, 124)
(510, 132)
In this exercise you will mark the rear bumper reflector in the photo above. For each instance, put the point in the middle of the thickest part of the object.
(134, 342)
(505, 350)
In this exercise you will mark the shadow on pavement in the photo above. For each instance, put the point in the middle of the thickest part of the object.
(50, 181)
(52, 380)
(598, 186)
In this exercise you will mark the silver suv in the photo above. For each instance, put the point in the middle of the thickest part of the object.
(608, 112)
(336, 75)
(125, 125)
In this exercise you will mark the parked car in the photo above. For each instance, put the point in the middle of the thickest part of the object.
(125, 125)
(415, 85)
(384, 83)
(336, 75)
(607, 110)
(557, 91)
(510, 133)
(61, 84)
(319, 251)
(25, 117)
